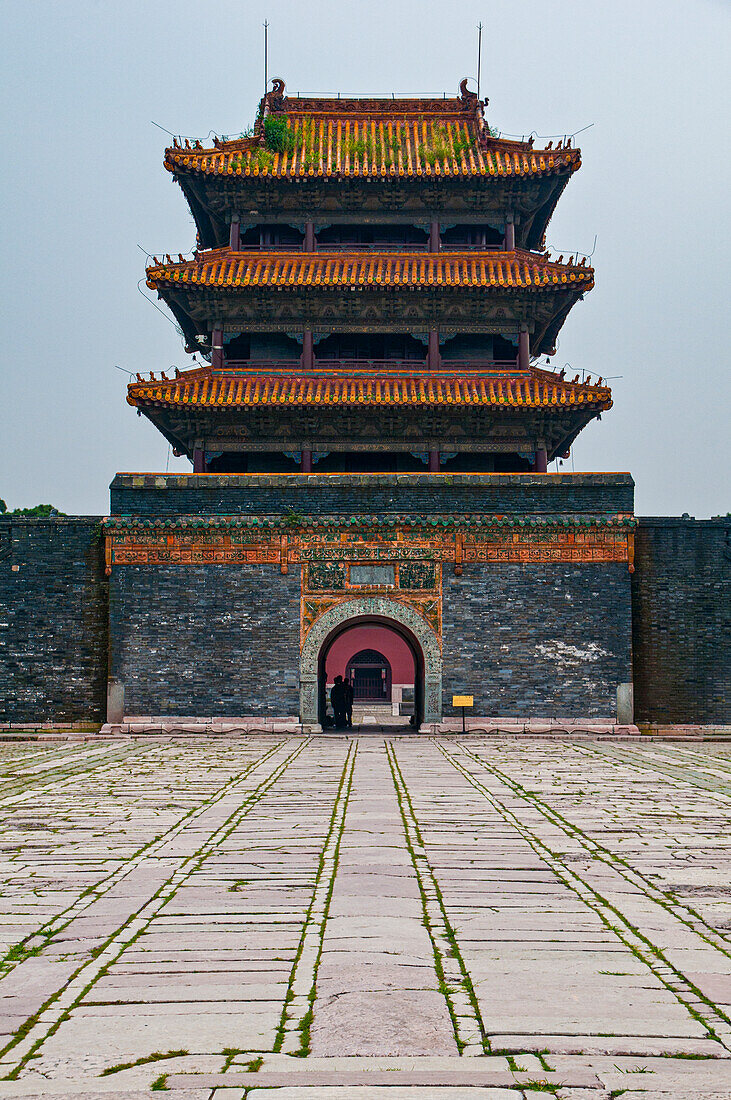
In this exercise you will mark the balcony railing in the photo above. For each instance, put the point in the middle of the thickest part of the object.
(459, 246)
(262, 366)
(372, 246)
(296, 246)
(345, 366)
(478, 364)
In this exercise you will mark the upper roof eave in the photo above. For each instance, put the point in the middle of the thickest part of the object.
(373, 137)
(494, 158)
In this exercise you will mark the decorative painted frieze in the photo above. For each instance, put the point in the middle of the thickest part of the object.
(330, 542)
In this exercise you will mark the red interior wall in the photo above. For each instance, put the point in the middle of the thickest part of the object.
(380, 638)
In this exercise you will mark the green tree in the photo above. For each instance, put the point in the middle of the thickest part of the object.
(40, 510)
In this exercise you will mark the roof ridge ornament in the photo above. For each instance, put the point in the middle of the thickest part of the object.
(469, 99)
(276, 96)
(471, 104)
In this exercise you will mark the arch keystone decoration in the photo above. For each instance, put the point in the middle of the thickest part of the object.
(384, 610)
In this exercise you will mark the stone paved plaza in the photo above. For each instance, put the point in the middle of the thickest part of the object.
(377, 916)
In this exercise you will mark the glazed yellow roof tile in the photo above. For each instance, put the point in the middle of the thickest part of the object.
(513, 270)
(204, 388)
(354, 145)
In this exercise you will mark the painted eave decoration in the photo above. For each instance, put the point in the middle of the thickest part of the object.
(224, 389)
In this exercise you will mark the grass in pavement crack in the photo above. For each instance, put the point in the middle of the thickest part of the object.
(27, 947)
(602, 853)
(340, 806)
(404, 800)
(164, 892)
(597, 903)
(158, 1056)
(36, 784)
(306, 1023)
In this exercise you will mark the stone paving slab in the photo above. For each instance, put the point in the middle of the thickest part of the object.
(365, 916)
(469, 1075)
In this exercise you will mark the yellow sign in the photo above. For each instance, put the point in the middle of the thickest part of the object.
(463, 700)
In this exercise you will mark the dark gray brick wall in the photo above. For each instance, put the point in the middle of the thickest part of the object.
(681, 621)
(215, 639)
(537, 640)
(206, 639)
(53, 620)
(227, 494)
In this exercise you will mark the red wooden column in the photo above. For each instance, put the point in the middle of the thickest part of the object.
(523, 348)
(234, 240)
(541, 463)
(199, 461)
(510, 234)
(306, 462)
(433, 357)
(308, 350)
(310, 244)
(434, 466)
(217, 348)
(434, 237)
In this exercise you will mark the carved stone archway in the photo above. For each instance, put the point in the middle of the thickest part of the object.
(382, 610)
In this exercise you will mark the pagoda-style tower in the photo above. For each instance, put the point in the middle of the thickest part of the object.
(370, 430)
(370, 293)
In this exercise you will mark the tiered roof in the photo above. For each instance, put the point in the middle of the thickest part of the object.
(340, 142)
(375, 137)
(350, 140)
(248, 388)
(508, 270)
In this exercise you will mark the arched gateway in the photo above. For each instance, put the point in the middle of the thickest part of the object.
(374, 609)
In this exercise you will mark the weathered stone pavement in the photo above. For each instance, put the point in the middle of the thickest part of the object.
(377, 917)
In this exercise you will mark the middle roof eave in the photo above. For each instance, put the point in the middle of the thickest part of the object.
(223, 269)
(205, 388)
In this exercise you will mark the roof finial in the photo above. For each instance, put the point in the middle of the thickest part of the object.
(276, 96)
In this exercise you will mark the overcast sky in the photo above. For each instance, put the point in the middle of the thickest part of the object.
(85, 197)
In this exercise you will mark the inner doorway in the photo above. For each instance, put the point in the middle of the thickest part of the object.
(383, 663)
(369, 673)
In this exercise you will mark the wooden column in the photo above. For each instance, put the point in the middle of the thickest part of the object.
(510, 234)
(523, 348)
(310, 244)
(199, 461)
(434, 237)
(234, 240)
(433, 358)
(434, 466)
(306, 462)
(308, 352)
(217, 348)
(541, 462)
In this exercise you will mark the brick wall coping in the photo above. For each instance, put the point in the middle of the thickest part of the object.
(313, 481)
(721, 522)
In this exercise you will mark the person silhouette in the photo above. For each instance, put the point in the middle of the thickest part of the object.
(348, 702)
(337, 698)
